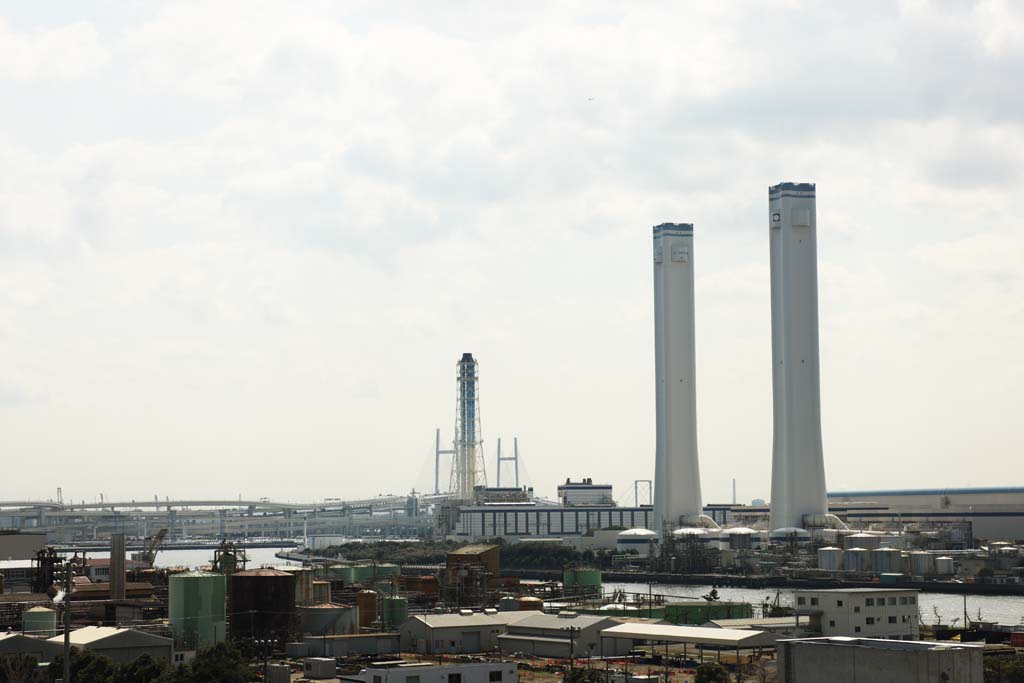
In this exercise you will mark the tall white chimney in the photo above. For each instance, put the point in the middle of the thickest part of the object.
(798, 466)
(677, 475)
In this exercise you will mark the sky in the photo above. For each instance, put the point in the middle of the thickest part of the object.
(244, 244)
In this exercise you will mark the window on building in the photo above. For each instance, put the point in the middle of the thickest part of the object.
(376, 679)
(870, 621)
(801, 600)
(814, 601)
(912, 600)
(892, 620)
(831, 623)
(856, 608)
(494, 676)
(412, 679)
(869, 602)
(856, 629)
(454, 678)
(892, 601)
(839, 603)
(903, 600)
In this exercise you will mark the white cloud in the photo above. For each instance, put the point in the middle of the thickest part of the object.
(70, 51)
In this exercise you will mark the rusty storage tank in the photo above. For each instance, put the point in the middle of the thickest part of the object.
(529, 603)
(366, 602)
(262, 604)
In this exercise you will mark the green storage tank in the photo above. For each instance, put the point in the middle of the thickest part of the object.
(196, 607)
(581, 577)
(40, 622)
(395, 610)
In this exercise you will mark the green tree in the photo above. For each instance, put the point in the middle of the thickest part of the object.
(711, 672)
(1004, 670)
(145, 669)
(86, 667)
(19, 669)
(221, 663)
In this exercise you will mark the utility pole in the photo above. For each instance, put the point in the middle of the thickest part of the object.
(69, 569)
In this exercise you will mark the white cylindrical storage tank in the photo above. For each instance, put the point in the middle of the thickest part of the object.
(694, 533)
(922, 563)
(637, 540)
(886, 560)
(738, 538)
(788, 534)
(829, 536)
(944, 566)
(830, 558)
(863, 540)
(857, 560)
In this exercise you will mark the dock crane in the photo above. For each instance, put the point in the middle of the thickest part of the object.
(152, 547)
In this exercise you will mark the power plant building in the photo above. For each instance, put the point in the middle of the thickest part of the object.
(798, 466)
(677, 500)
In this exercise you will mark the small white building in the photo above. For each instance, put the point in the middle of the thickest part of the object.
(470, 633)
(431, 672)
(888, 613)
(848, 660)
(584, 493)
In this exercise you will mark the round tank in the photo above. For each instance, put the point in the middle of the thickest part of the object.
(636, 540)
(40, 622)
(196, 607)
(863, 540)
(394, 611)
(508, 603)
(887, 560)
(329, 619)
(922, 563)
(581, 577)
(788, 534)
(693, 533)
(944, 566)
(366, 601)
(530, 603)
(857, 560)
(830, 559)
(262, 604)
(738, 538)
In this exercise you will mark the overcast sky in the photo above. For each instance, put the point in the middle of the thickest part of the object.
(243, 245)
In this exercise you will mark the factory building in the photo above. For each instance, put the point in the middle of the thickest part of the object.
(995, 513)
(530, 520)
(583, 493)
(677, 500)
(465, 633)
(888, 613)
(122, 645)
(798, 466)
(846, 660)
(558, 635)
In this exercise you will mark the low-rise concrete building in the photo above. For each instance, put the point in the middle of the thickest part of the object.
(889, 613)
(123, 645)
(849, 660)
(348, 645)
(561, 636)
(42, 650)
(431, 672)
(463, 633)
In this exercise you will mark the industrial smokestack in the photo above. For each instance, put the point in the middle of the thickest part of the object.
(468, 463)
(676, 472)
(117, 577)
(798, 466)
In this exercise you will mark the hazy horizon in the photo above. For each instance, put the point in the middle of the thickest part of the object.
(243, 244)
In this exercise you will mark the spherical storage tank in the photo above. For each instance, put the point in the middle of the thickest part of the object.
(262, 604)
(790, 534)
(40, 622)
(830, 559)
(329, 619)
(887, 560)
(922, 563)
(196, 609)
(637, 540)
(394, 610)
(944, 566)
(857, 560)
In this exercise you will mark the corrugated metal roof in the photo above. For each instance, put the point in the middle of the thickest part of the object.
(265, 571)
(696, 635)
(473, 549)
(552, 621)
(475, 619)
(90, 635)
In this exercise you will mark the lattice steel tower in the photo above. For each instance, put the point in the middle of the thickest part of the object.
(468, 463)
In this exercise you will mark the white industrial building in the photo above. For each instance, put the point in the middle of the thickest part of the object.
(887, 613)
(525, 520)
(584, 493)
(466, 633)
(432, 672)
(122, 645)
(851, 660)
(559, 635)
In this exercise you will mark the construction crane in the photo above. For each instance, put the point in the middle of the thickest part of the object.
(152, 547)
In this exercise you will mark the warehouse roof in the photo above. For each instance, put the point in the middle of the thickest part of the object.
(551, 621)
(473, 549)
(695, 635)
(122, 637)
(475, 619)
(765, 622)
